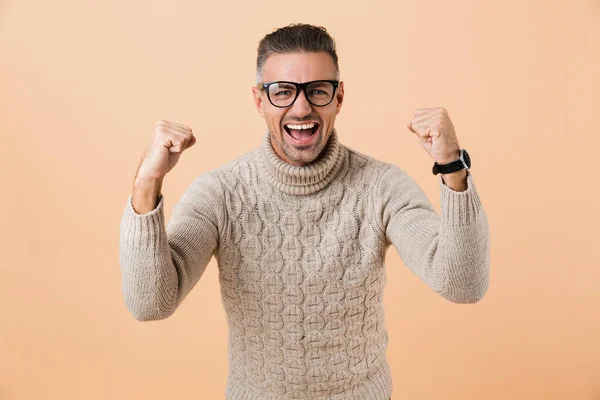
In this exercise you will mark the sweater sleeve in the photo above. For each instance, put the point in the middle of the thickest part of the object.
(451, 252)
(161, 264)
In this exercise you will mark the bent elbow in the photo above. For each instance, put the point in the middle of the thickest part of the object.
(468, 294)
(144, 312)
(146, 315)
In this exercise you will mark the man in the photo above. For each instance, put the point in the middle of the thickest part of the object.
(300, 227)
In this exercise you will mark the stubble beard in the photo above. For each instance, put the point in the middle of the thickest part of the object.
(302, 154)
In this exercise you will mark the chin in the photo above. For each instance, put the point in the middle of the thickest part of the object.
(307, 154)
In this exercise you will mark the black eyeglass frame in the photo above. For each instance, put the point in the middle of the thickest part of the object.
(299, 86)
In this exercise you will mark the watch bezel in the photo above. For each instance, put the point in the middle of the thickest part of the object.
(464, 156)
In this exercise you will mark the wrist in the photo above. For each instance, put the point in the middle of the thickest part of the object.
(456, 180)
(147, 182)
(449, 158)
(145, 194)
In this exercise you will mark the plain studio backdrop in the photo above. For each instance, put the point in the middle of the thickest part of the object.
(82, 84)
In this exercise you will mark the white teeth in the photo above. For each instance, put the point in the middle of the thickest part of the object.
(308, 126)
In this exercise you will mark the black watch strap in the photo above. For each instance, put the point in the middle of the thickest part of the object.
(463, 162)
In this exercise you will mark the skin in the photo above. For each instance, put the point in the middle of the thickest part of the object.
(298, 67)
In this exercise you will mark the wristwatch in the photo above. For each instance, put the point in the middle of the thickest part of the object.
(463, 162)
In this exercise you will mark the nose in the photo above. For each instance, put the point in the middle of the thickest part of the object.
(301, 106)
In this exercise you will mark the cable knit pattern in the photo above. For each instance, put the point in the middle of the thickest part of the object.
(300, 252)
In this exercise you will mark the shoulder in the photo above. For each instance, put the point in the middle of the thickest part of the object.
(206, 196)
(228, 172)
(368, 168)
(379, 178)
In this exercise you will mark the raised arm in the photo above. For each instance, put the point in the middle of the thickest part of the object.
(161, 264)
(451, 252)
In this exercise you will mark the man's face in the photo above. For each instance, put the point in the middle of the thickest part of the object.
(300, 68)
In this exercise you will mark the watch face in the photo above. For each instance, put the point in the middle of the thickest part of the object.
(467, 158)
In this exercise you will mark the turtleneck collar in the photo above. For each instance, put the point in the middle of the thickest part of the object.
(303, 180)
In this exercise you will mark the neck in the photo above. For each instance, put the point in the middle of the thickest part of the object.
(302, 179)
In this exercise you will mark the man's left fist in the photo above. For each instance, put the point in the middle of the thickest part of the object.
(436, 133)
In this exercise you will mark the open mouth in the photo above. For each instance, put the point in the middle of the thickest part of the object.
(301, 133)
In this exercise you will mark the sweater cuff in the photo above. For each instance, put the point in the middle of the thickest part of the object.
(460, 208)
(143, 231)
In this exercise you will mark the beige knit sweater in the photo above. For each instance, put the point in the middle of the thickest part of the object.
(300, 252)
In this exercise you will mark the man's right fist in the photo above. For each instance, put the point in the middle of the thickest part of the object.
(168, 141)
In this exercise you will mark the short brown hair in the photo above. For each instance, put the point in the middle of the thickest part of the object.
(295, 38)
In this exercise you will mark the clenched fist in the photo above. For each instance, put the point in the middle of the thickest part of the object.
(168, 141)
(436, 133)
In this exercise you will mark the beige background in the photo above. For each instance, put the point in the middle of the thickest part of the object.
(83, 82)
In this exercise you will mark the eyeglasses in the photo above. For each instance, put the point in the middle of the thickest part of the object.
(283, 93)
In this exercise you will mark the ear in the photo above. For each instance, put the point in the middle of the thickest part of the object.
(258, 101)
(339, 97)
